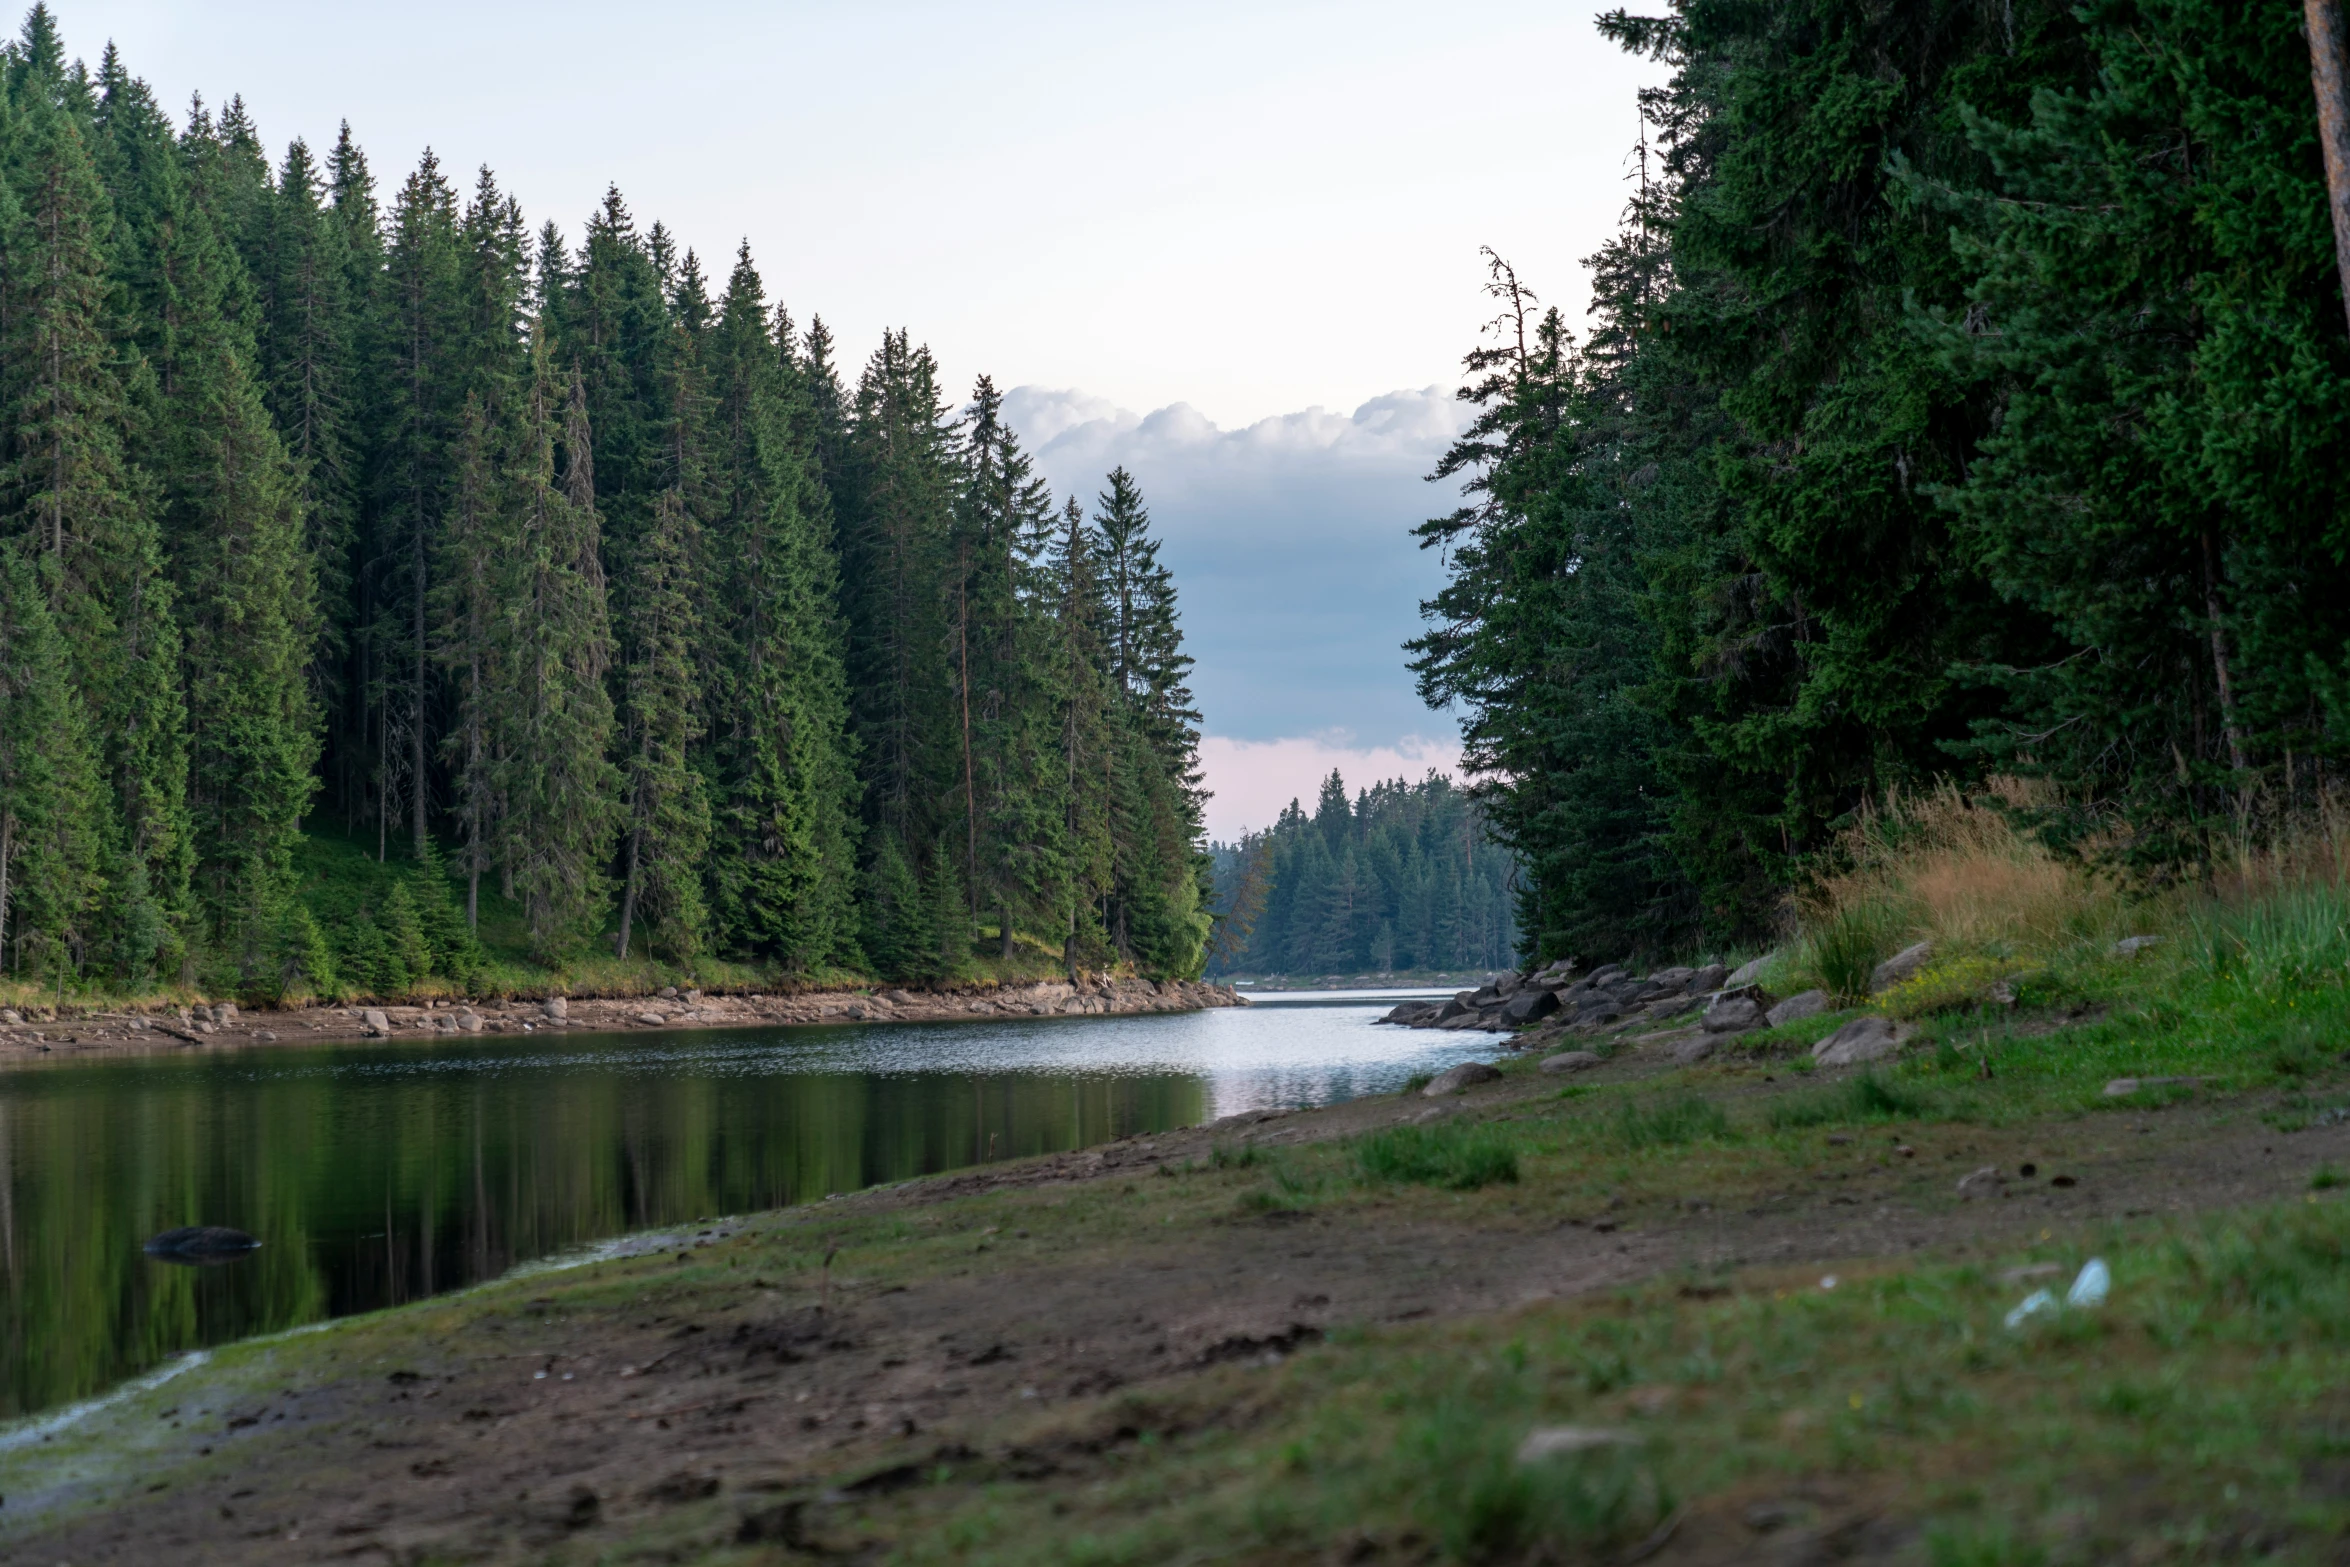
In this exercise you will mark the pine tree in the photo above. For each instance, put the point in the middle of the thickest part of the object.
(1003, 626)
(50, 801)
(783, 870)
(472, 576)
(558, 787)
(667, 822)
(308, 371)
(420, 327)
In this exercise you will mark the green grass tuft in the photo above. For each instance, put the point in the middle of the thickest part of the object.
(1456, 1157)
(1669, 1121)
(1867, 1097)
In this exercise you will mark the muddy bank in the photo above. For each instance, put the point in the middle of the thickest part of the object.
(97, 1032)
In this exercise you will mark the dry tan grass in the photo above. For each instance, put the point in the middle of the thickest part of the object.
(1938, 866)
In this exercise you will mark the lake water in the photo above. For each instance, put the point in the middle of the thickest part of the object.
(376, 1174)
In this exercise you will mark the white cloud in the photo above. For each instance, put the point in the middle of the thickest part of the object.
(1290, 539)
(1254, 780)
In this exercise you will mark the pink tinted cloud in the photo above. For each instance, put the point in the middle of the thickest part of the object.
(1254, 780)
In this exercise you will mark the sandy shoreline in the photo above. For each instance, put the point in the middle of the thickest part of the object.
(130, 1031)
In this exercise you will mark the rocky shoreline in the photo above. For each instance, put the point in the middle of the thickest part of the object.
(52, 1034)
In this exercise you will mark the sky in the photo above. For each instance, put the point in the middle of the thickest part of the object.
(1233, 246)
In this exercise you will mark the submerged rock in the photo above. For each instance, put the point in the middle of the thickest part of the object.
(201, 1243)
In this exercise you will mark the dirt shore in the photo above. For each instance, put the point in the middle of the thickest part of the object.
(763, 1390)
(101, 1032)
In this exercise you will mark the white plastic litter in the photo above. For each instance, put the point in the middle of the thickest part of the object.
(2033, 1304)
(1829, 1282)
(2090, 1287)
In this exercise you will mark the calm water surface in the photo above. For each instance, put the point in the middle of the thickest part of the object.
(376, 1174)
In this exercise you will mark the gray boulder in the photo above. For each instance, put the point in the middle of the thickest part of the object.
(1711, 977)
(1453, 1008)
(1736, 1011)
(1461, 1020)
(1748, 973)
(1530, 1005)
(2131, 946)
(1676, 978)
(1863, 1039)
(1691, 1051)
(1795, 1009)
(377, 1024)
(1570, 1061)
(1901, 966)
(1467, 1075)
(556, 1007)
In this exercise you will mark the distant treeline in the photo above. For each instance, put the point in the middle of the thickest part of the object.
(580, 570)
(1406, 877)
(1967, 394)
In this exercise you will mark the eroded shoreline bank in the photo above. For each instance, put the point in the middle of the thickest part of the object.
(125, 1031)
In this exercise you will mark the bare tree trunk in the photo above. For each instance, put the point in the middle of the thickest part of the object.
(636, 840)
(2326, 74)
(2219, 667)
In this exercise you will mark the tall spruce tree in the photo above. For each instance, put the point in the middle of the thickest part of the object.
(784, 807)
(557, 784)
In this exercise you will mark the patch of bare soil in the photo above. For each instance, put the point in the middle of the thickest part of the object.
(530, 1438)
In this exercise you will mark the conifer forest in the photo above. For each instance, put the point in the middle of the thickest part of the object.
(1966, 396)
(1405, 877)
(575, 587)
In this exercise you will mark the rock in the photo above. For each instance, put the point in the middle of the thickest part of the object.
(1507, 986)
(1901, 966)
(1401, 1012)
(667, 992)
(2123, 1087)
(1691, 1051)
(226, 1012)
(1553, 1441)
(1867, 1038)
(1736, 1011)
(556, 1007)
(1709, 978)
(1673, 978)
(201, 1243)
(1453, 1008)
(1530, 1005)
(1748, 973)
(1986, 1182)
(469, 1020)
(11, 1016)
(377, 1024)
(2131, 946)
(1570, 1061)
(265, 1036)
(652, 1019)
(693, 998)
(1605, 974)
(1467, 1075)
(896, 997)
(1795, 1009)
(1461, 1020)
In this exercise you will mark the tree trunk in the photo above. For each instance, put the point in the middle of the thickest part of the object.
(2219, 666)
(2326, 72)
(636, 840)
